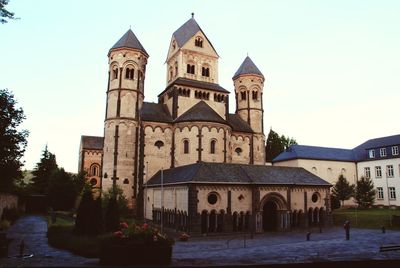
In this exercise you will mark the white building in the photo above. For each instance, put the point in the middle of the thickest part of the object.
(377, 159)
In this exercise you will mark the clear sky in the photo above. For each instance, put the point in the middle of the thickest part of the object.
(332, 68)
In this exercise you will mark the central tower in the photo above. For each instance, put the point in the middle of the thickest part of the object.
(127, 61)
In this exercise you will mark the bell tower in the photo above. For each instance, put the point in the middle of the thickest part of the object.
(127, 61)
(249, 83)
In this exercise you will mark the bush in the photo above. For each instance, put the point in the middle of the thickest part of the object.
(112, 215)
(335, 202)
(89, 216)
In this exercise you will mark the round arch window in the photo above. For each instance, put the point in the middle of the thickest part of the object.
(315, 197)
(93, 182)
(212, 198)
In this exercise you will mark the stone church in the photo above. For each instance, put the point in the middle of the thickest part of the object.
(186, 159)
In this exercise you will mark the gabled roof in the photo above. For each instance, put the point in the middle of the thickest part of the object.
(92, 142)
(225, 173)
(155, 112)
(129, 40)
(180, 81)
(238, 124)
(187, 31)
(248, 67)
(200, 112)
(315, 153)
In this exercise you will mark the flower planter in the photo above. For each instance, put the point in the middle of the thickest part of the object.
(136, 254)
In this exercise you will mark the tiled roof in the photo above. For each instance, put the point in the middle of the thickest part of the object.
(187, 31)
(196, 84)
(92, 142)
(129, 40)
(361, 151)
(200, 112)
(248, 67)
(155, 112)
(238, 124)
(236, 174)
(314, 152)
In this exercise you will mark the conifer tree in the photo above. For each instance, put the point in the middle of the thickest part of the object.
(276, 144)
(365, 192)
(43, 171)
(342, 189)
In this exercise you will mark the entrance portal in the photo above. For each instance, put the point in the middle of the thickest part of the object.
(270, 216)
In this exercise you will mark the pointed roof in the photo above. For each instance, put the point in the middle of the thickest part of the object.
(187, 31)
(129, 40)
(248, 67)
(201, 112)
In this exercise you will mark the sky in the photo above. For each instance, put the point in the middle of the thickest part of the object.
(332, 68)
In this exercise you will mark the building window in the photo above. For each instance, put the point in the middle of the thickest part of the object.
(198, 42)
(380, 192)
(243, 95)
(205, 71)
(159, 144)
(185, 146)
(255, 95)
(126, 181)
(212, 198)
(315, 197)
(190, 69)
(238, 150)
(129, 73)
(212, 146)
(378, 172)
(382, 152)
(392, 193)
(94, 170)
(367, 172)
(115, 73)
(389, 171)
(93, 182)
(372, 153)
(395, 150)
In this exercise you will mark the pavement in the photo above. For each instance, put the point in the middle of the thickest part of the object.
(265, 249)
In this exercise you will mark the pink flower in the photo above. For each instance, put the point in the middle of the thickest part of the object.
(123, 225)
(118, 234)
(145, 226)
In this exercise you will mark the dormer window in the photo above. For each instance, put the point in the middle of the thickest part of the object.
(395, 150)
(371, 153)
(198, 42)
(382, 152)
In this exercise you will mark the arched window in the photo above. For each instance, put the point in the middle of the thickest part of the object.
(129, 73)
(192, 69)
(238, 150)
(115, 72)
(185, 146)
(198, 42)
(205, 72)
(94, 170)
(212, 146)
(243, 95)
(255, 95)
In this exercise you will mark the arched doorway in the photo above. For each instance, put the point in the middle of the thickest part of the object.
(270, 216)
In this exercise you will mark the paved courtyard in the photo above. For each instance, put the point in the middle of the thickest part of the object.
(268, 248)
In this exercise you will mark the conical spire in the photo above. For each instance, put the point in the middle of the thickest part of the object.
(129, 40)
(248, 67)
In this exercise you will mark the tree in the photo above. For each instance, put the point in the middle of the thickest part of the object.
(277, 144)
(43, 171)
(12, 141)
(84, 214)
(61, 190)
(4, 13)
(342, 189)
(365, 192)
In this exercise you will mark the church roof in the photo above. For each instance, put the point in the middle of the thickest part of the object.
(200, 112)
(315, 153)
(238, 124)
(187, 31)
(248, 67)
(224, 173)
(92, 142)
(129, 40)
(180, 81)
(155, 112)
